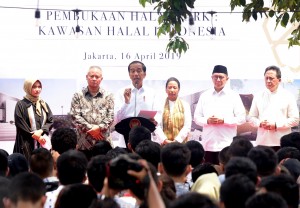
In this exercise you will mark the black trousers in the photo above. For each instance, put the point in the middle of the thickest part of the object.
(212, 157)
(275, 148)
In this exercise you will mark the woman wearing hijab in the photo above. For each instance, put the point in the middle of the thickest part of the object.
(33, 118)
(176, 116)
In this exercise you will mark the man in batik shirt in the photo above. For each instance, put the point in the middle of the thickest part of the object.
(92, 111)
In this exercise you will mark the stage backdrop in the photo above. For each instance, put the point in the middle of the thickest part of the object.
(114, 33)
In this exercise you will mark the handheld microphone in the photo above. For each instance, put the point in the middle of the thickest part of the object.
(135, 95)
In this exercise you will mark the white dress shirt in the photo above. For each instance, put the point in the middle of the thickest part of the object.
(279, 107)
(141, 99)
(226, 104)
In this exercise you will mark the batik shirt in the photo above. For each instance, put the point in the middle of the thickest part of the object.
(88, 110)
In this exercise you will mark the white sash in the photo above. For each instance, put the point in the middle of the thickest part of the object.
(33, 122)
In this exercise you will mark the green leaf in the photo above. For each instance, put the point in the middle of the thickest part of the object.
(172, 33)
(246, 16)
(285, 19)
(161, 30)
(160, 19)
(282, 4)
(143, 2)
(249, 7)
(177, 43)
(178, 27)
(259, 3)
(254, 15)
(271, 13)
(158, 9)
(168, 28)
(234, 3)
(242, 2)
(170, 45)
(177, 4)
(185, 46)
(180, 50)
(294, 17)
(293, 41)
(190, 3)
(165, 5)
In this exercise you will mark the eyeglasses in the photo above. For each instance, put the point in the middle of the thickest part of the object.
(216, 77)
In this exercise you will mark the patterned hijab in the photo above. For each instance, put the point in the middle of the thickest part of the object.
(35, 100)
(173, 123)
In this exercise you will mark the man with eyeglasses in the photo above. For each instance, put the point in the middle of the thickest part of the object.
(273, 111)
(219, 111)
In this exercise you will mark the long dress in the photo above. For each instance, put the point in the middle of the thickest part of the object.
(25, 124)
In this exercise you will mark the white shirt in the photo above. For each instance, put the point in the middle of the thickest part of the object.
(141, 99)
(225, 104)
(52, 197)
(183, 133)
(279, 107)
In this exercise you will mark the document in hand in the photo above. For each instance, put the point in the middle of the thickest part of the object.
(47, 145)
(147, 114)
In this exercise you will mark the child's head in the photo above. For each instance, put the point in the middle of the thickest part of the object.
(25, 190)
(175, 158)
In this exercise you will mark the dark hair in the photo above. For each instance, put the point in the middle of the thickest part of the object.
(153, 171)
(41, 162)
(283, 185)
(193, 199)
(202, 169)
(224, 155)
(290, 140)
(241, 165)
(96, 171)
(197, 152)
(175, 158)
(274, 68)
(63, 139)
(17, 163)
(4, 152)
(3, 163)
(288, 152)
(269, 199)
(76, 195)
(168, 191)
(101, 148)
(104, 203)
(149, 151)
(235, 191)
(240, 146)
(71, 167)
(115, 152)
(4, 183)
(138, 134)
(173, 79)
(26, 186)
(137, 62)
(265, 159)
